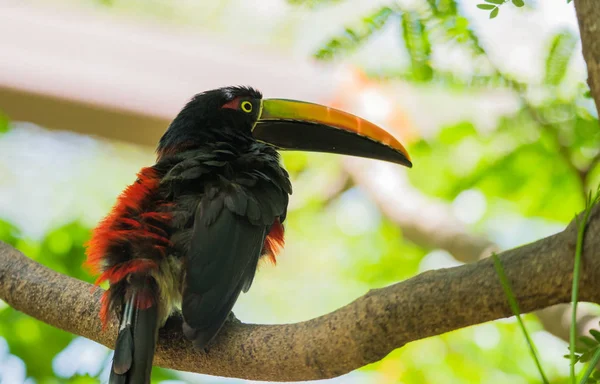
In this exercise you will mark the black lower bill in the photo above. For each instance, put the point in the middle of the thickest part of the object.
(302, 136)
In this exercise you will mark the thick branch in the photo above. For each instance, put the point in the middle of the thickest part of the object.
(362, 332)
(430, 223)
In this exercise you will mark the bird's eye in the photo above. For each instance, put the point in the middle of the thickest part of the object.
(246, 106)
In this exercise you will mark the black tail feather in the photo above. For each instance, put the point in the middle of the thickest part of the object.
(136, 342)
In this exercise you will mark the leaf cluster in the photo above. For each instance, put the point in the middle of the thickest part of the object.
(494, 6)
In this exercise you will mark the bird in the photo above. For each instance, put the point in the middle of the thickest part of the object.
(187, 236)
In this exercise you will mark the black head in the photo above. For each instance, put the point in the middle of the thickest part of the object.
(223, 114)
(240, 116)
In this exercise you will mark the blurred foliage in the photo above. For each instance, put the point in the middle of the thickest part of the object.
(555, 133)
(61, 250)
(507, 164)
(542, 158)
(486, 353)
(563, 47)
(418, 46)
(313, 3)
(354, 35)
(3, 123)
(24, 334)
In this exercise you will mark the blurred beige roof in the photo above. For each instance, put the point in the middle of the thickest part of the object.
(96, 73)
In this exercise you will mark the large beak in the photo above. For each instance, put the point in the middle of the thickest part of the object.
(297, 125)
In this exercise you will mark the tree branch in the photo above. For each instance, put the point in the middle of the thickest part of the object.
(362, 332)
(430, 223)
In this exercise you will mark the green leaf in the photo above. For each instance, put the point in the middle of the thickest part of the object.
(561, 51)
(355, 35)
(580, 348)
(587, 94)
(494, 12)
(441, 8)
(454, 134)
(591, 370)
(587, 356)
(518, 3)
(588, 341)
(498, 2)
(486, 6)
(417, 42)
(596, 334)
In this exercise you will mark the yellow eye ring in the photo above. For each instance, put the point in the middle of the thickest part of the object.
(246, 106)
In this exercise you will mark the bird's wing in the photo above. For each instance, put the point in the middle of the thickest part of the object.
(229, 231)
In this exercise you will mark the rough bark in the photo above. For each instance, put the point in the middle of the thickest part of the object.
(362, 332)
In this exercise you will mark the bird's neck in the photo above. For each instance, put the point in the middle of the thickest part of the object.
(204, 141)
(233, 147)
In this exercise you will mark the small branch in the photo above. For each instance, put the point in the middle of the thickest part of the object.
(424, 221)
(360, 333)
(326, 192)
(342, 184)
(595, 161)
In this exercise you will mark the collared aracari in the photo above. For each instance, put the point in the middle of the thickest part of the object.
(190, 231)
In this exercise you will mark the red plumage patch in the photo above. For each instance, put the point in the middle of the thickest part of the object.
(105, 234)
(175, 149)
(133, 222)
(145, 299)
(274, 241)
(104, 308)
(159, 216)
(233, 104)
(121, 270)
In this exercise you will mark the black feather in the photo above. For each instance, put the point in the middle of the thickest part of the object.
(210, 208)
(136, 342)
(221, 263)
(123, 351)
(253, 210)
(193, 173)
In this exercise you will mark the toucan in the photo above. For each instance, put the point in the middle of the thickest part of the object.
(188, 234)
